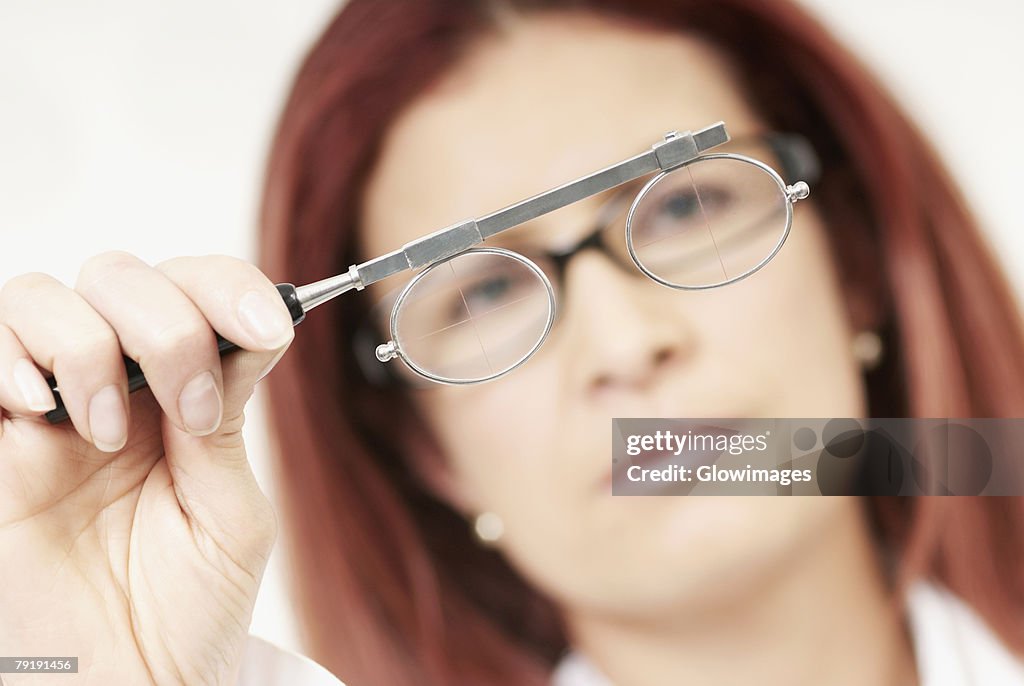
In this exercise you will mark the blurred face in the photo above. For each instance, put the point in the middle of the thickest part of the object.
(556, 97)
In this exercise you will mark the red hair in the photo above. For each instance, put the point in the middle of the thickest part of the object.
(391, 588)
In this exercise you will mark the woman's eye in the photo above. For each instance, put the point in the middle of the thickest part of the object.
(481, 295)
(489, 290)
(681, 205)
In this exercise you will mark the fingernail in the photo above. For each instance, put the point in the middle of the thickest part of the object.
(33, 389)
(271, 364)
(108, 422)
(200, 404)
(267, 321)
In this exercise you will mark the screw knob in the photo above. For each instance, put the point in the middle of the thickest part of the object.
(386, 351)
(798, 191)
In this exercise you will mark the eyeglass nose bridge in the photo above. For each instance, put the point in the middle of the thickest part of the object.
(595, 240)
(610, 220)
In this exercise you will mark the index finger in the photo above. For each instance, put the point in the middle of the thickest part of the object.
(240, 302)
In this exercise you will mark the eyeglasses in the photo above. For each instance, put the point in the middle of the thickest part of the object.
(473, 314)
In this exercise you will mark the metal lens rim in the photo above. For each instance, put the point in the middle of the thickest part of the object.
(458, 382)
(720, 156)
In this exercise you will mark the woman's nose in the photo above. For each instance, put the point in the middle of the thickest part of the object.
(621, 336)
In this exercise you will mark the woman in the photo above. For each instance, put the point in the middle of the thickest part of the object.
(406, 117)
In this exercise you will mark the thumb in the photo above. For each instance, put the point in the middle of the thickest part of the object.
(212, 476)
(213, 480)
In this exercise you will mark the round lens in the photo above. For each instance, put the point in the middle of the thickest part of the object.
(709, 222)
(473, 317)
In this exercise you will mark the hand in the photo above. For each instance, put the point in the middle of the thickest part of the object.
(134, 536)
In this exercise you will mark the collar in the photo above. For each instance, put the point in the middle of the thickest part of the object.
(953, 646)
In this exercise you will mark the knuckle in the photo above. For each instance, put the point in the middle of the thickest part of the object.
(174, 264)
(214, 263)
(85, 349)
(177, 338)
(102, 266)
(248, 270)
(90, 343)
(18, 287)
(255, 273)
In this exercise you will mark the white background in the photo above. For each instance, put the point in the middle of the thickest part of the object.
(142, 125)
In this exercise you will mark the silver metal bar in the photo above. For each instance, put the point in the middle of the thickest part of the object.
(676, 149)
(442, 244)
(551, 200)
(382, 267)
(710, 136)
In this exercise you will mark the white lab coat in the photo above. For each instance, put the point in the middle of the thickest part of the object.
(953, 647)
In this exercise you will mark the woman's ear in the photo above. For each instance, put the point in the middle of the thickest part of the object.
(865, 310)
(425, 457)
(862, 279)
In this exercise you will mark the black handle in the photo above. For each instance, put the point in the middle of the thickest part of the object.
(137, 380)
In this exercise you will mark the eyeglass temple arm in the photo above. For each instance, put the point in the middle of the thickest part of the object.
(676, 149)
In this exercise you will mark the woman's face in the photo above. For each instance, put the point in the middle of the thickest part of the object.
(553, 98)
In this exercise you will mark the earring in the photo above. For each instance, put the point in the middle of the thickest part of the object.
(867, 349)
(488, 528)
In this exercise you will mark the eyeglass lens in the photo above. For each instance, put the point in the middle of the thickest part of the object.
(709, 222)
(473, 316)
